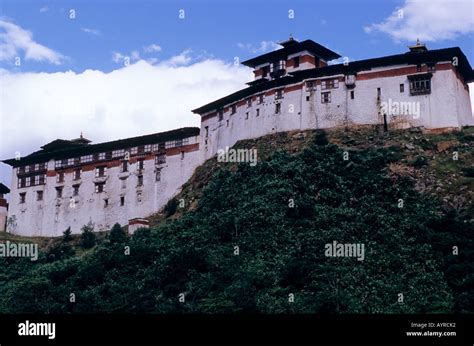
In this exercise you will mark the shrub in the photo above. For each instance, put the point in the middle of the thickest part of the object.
(117, 234)
(88, 238)
(170, 207)
(67, 235)
(320, 138)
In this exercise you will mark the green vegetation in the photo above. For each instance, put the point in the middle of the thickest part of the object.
(277, 216)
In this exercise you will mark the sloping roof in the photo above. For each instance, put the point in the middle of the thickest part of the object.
(61, 152)
(4, 189)
(410, 58)
(296, 47)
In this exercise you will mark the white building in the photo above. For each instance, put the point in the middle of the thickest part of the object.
(69, 183)
(296, 89)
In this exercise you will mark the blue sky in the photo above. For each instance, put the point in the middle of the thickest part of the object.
(210, 28)
(60, 76)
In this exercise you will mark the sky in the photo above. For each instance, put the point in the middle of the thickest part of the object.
(117, 69)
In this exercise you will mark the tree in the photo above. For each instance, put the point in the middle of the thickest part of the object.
(117, 234)
(88, 238)
(67, 235)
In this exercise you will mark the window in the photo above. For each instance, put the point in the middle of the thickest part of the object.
(402, 88)
(70, 162)
(134, 151)
(141, 164)
(27, 169)
(87, 158)
(28, 181)
(352, 94)
(122, 200)
(207, 131)
(432, 67)
(221, 115)
(77, 174)
(37, 167)
(278, 108)
(258, 112)
(379, 93)
(154, 147)
(57, 164)
(60, 177)
(177, 143)
(22, 197)
(248, 101)
(265, 71)
(296, 62)
(140, 180)
(59, 191)
(260, 98)
(420, 84)
(233, 109)
(99, 187)
(22, 182)
(329, 84)
(124, 166)
(39, 195)
(418, 68)
(101, 156)
(100, 171)
(326, 97)
(106, 202)
(160, 159)
(246, 115)
(147, 148)
(118, 153)
(311, 85)
(158, 175)
(75, 190)
(278, 94)
(182, 155)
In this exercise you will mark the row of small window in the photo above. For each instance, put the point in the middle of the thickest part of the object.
(248, 101)
(32, 168)
(121, 153)
(102, 170)
(32, 181)
(279, 94)
(98, 188)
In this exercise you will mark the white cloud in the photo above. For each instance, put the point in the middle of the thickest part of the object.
(180, 60)
(14, 40)
(91, 31)
(37, 108)
(263, 47)
(428, 20)
(44, 9)
(152, 48)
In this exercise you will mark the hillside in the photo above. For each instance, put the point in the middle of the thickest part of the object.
(250, 237)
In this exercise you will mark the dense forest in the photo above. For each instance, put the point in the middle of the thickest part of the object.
(255, 243)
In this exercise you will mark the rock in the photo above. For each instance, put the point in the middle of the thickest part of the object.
(409, 146)
(442, 146)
